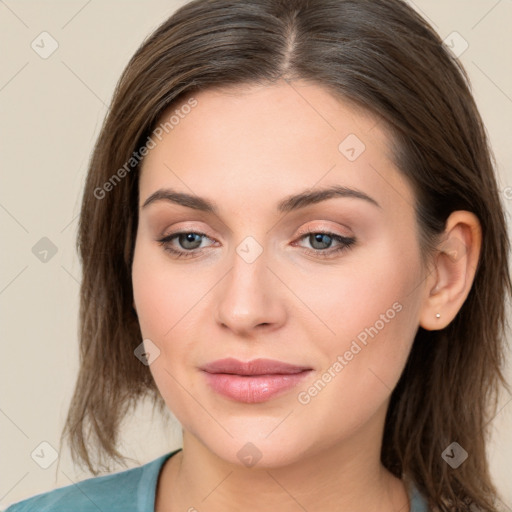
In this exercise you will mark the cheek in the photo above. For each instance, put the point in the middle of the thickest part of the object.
(168, 298)
(163, 293)
(162, 305)
(374, 312)
(375, 326)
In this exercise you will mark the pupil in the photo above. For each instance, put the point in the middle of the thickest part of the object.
(322, 238)
(189, 238)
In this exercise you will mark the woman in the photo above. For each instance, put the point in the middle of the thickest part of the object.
(292, 238)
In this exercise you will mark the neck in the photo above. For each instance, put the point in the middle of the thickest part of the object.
(347, 476)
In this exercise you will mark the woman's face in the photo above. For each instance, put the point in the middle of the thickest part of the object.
(258, 280)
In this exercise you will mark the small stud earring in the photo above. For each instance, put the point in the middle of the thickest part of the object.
(438, 315)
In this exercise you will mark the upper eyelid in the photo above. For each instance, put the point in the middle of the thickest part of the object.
(300, 234)
(307, 230)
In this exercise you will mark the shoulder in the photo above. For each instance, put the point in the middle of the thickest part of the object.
(418, 501)
(97, 493)
(125, 491)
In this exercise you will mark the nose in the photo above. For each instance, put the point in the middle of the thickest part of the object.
(250, 298)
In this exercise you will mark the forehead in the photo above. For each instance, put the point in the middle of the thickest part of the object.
(251, 145)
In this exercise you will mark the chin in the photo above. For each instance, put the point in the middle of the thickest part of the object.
(254, 447)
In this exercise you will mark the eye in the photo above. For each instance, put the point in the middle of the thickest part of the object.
(190, 241)
(321, 240)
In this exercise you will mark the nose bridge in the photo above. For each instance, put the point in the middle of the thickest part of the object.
(249, 295)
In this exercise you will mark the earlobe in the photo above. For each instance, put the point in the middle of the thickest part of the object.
(456, 260)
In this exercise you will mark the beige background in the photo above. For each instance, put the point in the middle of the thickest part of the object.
(51, 112)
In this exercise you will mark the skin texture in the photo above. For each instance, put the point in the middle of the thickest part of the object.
(246, 149)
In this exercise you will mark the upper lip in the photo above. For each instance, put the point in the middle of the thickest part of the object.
(253, 367)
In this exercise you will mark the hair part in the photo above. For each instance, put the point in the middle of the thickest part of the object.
(382, 56)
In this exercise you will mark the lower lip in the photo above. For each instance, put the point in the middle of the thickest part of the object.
(253, 388)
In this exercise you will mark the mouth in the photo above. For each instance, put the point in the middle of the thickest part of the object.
(253, 381)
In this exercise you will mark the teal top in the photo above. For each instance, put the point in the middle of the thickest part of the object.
(132, 490)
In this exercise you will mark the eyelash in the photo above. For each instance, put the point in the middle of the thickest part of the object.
(345, 244)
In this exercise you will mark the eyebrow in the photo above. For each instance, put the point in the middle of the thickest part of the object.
(290, 203)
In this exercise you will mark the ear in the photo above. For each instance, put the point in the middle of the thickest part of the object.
(455, 263)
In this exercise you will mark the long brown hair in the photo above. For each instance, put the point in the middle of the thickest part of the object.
(379, 54)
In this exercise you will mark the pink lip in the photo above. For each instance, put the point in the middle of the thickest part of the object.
(253, 381)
